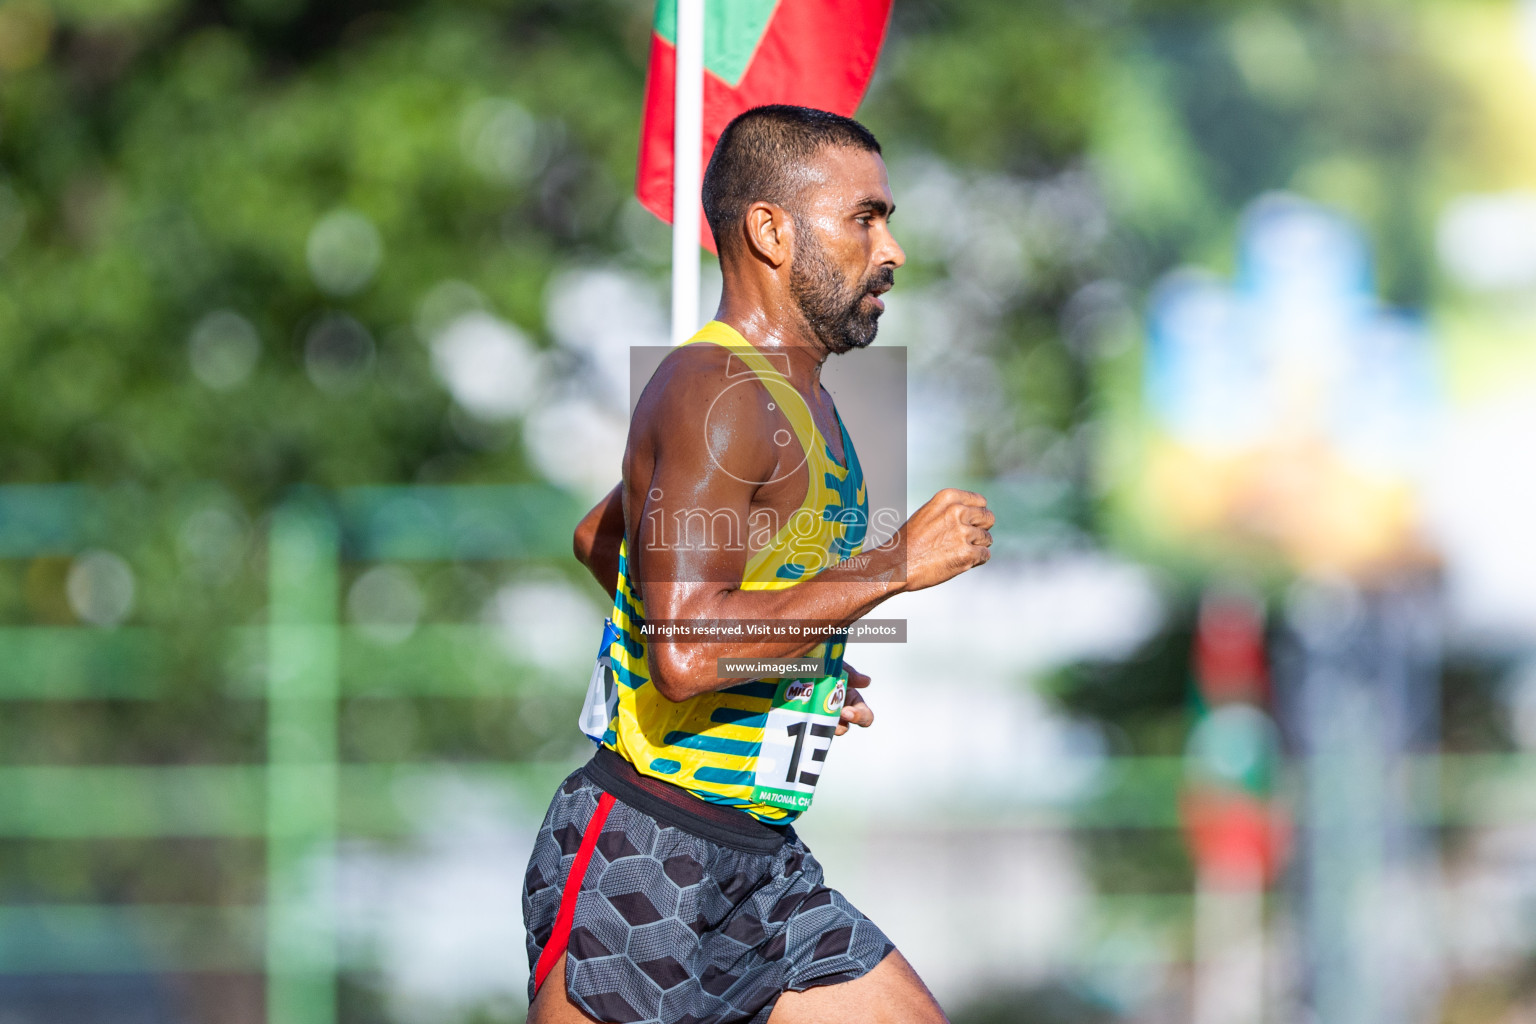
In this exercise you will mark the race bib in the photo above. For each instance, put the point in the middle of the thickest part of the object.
(602, 702)
(796, 739)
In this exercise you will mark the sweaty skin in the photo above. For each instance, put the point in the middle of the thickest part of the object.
(697, 443)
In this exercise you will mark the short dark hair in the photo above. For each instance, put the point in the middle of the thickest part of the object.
(758, 154)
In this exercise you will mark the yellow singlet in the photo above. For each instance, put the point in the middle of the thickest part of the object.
(757, 746)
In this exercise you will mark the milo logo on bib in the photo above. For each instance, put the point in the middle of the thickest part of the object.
(799, 689)
(796, 738)
(834, 700)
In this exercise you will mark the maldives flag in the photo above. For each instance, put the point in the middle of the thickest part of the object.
(812, 53)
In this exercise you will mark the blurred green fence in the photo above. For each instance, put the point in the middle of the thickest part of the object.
(303, 797)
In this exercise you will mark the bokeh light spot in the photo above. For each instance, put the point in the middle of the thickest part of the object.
(223, 349)
(500, 140)
(338, 353)
(100, 588)
(487, 365)
(344, 251)
(385, 603)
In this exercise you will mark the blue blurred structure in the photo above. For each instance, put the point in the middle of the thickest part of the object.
(1360, 694)
(1298, 403)
(1310, 405)
(1223, 360)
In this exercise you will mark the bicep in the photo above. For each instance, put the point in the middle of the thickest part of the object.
(692, 528)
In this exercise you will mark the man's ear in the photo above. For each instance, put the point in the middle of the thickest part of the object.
(770, 233)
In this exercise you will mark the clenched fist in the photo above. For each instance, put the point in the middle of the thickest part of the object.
(947, 536)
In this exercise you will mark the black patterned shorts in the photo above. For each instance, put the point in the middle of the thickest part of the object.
(681, 912)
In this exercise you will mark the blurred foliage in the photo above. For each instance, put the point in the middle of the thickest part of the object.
(1474, 705)
(176, 161)
(223, 872)
(1138, 694)
(172, 159)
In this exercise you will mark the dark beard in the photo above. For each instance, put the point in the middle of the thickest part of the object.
(831, 306)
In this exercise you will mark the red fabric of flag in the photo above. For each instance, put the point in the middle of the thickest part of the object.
(811, 53)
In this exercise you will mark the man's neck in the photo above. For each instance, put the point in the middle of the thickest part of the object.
(773, 329)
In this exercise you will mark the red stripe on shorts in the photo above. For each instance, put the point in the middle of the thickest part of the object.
(561, 936)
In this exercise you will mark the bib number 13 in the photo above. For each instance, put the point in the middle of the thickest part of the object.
(796, 739)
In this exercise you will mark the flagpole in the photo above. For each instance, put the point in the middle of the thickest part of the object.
(687, 169)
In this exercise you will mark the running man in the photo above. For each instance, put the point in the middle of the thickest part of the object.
(667, 884)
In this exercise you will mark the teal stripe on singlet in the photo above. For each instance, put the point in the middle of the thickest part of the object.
(630, 679)
(724, 777)
(753, 689)
(713, 744)
(736, 716)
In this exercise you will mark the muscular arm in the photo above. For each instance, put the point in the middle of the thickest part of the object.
(596, 542)
(700, 445)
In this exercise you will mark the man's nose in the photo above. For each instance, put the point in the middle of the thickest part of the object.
(890, 253)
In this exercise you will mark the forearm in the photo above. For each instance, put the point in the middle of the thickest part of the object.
(834, 599)
(596, 541)
(947, 536)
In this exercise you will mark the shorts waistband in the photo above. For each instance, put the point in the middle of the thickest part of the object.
(675, 806)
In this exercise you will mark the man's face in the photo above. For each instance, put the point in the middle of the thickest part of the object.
(844, 256)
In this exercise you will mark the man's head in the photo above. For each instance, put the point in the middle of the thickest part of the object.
(803, 194)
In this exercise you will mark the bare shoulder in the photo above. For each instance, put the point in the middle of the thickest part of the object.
(696, 398)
